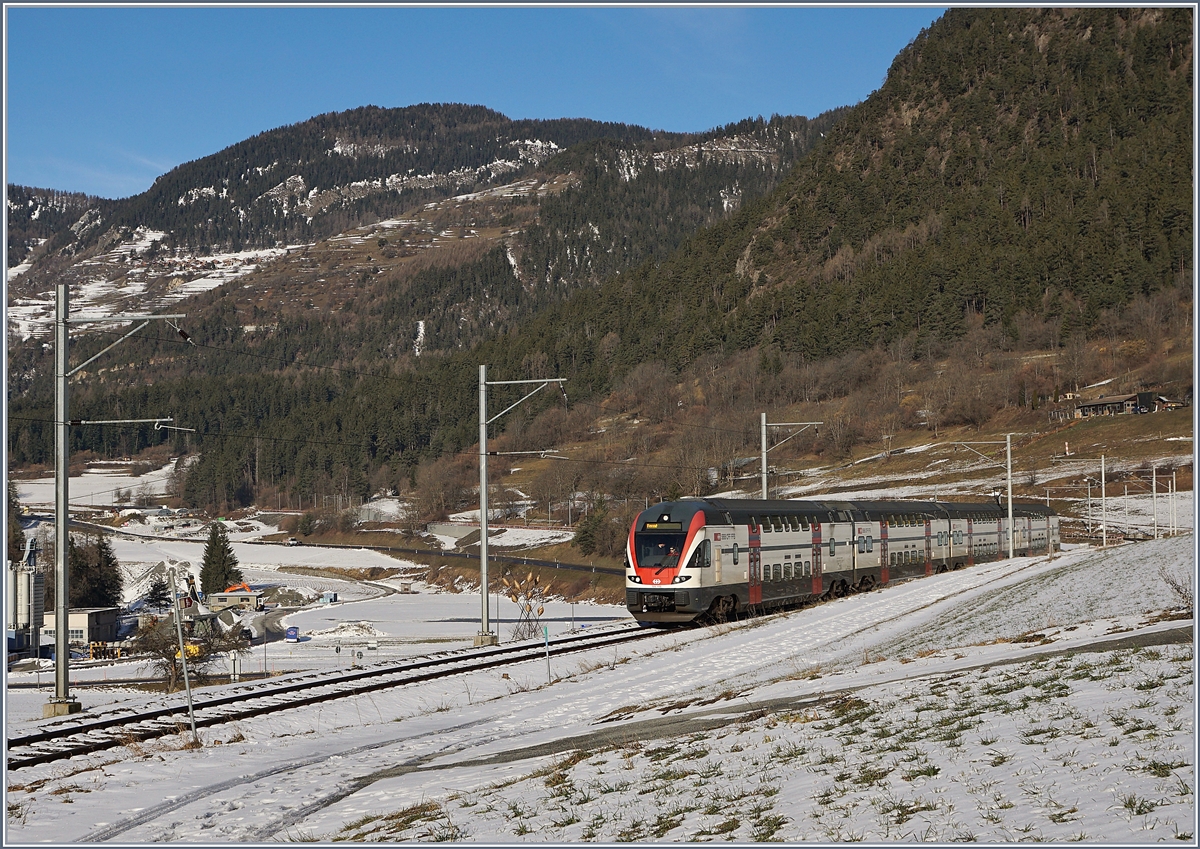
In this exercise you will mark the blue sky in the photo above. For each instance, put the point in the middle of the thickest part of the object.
(104, 100)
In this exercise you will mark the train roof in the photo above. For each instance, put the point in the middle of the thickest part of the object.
(715, 509)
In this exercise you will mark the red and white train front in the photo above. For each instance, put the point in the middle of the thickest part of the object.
(668, 551)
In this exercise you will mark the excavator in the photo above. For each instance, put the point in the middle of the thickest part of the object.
(244, 587)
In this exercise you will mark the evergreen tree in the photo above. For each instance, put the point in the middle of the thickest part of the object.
(158, 594)
(16, 536)
(220, 567)
(95, 575)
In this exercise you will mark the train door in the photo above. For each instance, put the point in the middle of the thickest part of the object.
(754, 564)
(817, 587)
(928, 549)
(883, 551)
(970, 542)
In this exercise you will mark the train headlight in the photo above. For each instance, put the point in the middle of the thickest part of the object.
(681, 579)
(635, 579)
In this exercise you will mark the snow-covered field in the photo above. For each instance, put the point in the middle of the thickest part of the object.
(934, 710)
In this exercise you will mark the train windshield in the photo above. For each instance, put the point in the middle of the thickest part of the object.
(658, 550)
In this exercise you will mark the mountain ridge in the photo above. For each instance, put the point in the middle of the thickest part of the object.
(896, 274)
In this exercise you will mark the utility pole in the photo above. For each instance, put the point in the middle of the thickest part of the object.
(1008, 476)
(1174, 514)
(1008, 472)
(187, 684)
(1103, 508)
(803, 427)
(1154, 497)
(485, 637)
(1103, 499)
(62, 703)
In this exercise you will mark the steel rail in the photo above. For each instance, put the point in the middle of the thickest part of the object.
(82, 738)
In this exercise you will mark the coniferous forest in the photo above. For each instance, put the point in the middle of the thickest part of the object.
(1022, 180)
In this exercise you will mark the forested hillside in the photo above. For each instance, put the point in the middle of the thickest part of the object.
(1030, 167)
(1022, 181)
(591, 211)
(36, 215)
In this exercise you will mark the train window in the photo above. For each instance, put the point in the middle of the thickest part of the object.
(832, 548)
(777, 571)
(777, 523)
(808, 568)
(735, 554)
(862, 545)
(753, 524)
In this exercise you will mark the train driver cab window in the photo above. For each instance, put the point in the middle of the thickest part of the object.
(703, 556)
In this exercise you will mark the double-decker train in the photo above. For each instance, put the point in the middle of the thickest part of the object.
(689, 558)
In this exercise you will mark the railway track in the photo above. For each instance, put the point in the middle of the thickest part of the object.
(70, 738)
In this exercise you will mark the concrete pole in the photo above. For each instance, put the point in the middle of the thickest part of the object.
(764, 456)
(187, 684)
(1174, 511)
(1008, 451)
(62, 703)
(1103, 507)
(1154, 497)
(485, 636)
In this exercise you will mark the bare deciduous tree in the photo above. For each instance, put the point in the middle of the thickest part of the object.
(160, 642)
